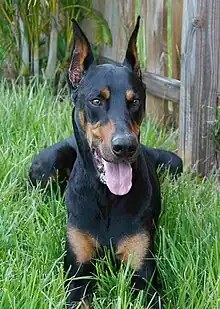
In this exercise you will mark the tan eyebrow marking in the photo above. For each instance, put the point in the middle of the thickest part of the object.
(129, 95)
(105, 92)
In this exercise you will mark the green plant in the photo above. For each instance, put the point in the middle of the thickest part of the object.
(32, 223)
(216, 131)
(36, 35)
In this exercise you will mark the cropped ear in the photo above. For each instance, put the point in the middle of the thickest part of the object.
(82, 56)
(131, 58)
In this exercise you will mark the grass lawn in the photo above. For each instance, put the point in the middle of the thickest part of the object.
(32, 224)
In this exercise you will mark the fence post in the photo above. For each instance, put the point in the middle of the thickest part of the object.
(199, 77)
(120, 16)
(177, 13)
(218, 119)
(157, 60)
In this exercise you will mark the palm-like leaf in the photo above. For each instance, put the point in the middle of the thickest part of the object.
(23, 24)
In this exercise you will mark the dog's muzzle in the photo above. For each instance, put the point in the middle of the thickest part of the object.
(124, 146)
(114, 163)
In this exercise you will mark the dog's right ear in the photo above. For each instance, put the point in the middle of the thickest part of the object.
(82, 56)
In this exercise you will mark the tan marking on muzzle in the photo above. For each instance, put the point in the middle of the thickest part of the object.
(135, 128)
(82, 244)
(81, 118)
(134, 249)
(97, 133)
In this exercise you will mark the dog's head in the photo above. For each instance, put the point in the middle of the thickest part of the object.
(109, 108)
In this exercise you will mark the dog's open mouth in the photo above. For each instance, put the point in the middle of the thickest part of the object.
(117, 176)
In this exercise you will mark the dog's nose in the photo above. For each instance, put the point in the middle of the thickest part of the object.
(124, 145)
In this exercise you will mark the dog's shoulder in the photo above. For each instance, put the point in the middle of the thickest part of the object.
(59, 157)
(163, 160)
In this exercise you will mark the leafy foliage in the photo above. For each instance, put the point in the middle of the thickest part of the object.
(26, 28)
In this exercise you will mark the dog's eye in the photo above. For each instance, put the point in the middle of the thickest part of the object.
(96, 102)
(136, 102)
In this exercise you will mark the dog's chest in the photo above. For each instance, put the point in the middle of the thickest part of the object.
(104, 215)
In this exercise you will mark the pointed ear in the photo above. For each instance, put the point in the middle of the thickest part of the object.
(131, 58)
(82, 56)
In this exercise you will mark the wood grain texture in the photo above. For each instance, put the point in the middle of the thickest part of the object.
(120, 16)
(162, 87)
(177, 14)
(218, 106)
(199, 78)
(157, 60)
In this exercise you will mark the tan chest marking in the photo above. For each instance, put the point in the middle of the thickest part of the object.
(134, 249)
(82, 243)
(85, 305)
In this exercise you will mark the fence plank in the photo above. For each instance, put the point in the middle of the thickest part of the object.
(156, 12)
(218, 119)
(121, 19)
(200, 46)
(162, 87)
(177, 13)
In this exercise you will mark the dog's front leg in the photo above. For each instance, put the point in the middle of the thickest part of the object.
(146, 278)
(55, 162)
(137, 251)
(78, 285)
(80, 249)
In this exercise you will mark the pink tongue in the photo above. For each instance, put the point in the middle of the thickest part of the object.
(118, 177)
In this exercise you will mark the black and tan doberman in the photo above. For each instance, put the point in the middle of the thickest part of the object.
(113, 193)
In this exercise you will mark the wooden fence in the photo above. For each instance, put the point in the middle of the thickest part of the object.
(180, 39)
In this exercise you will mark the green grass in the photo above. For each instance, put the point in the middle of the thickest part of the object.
(32, 224)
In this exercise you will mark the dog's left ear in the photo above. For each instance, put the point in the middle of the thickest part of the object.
(82, 56)
(131, 58)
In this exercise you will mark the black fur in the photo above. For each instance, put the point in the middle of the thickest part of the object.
(91, 207)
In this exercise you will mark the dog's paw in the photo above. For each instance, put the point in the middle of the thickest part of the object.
(42, 169)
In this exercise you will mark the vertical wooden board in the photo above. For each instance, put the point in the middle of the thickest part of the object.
(157, 60)
(200, 46)
(177, 13)
(111, 14)
(218, 119)
(141, 42)
(121, 18)
(127, 24)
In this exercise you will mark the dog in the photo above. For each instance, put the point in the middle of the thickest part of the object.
(113, 194)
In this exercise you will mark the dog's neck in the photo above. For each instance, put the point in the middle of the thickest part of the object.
(84, 155)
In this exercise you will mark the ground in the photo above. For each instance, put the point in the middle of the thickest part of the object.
(32, 223)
